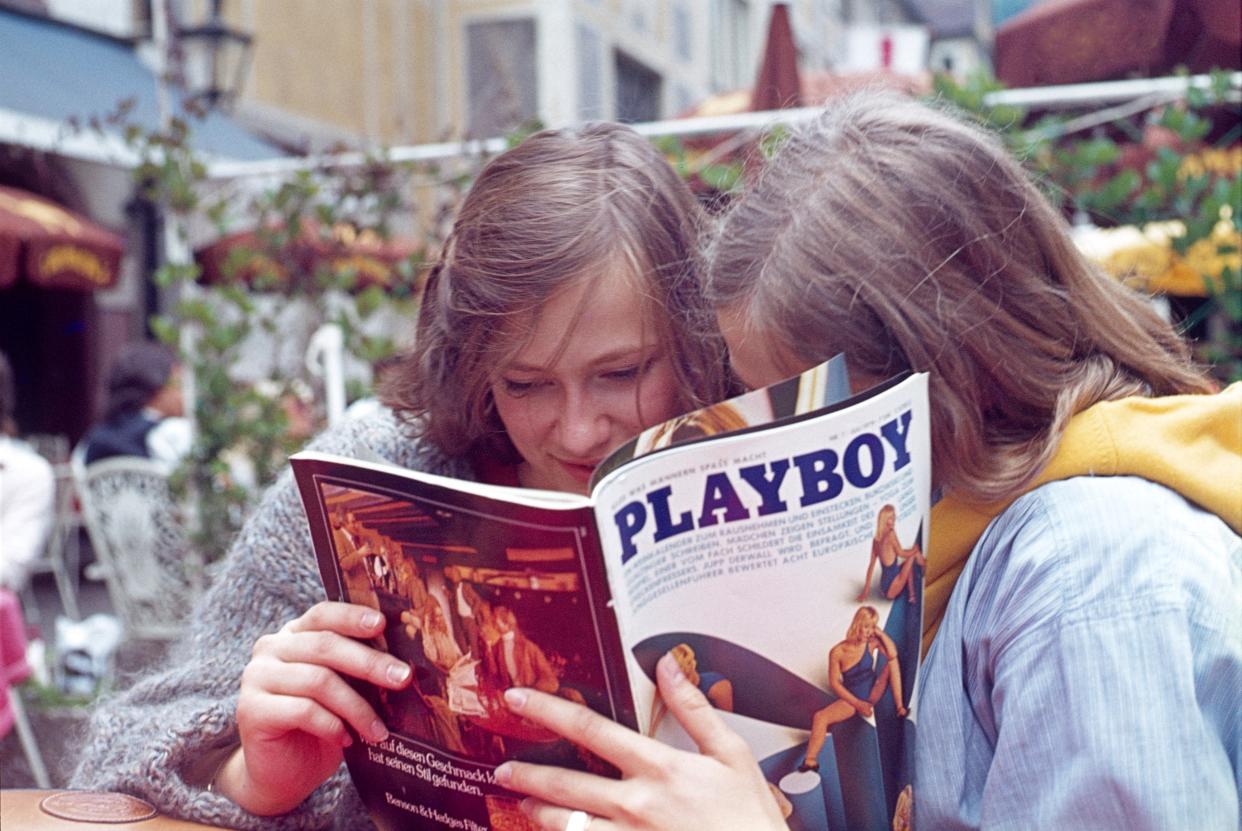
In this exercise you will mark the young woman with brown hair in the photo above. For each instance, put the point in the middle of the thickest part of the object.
(1084, 558)
(564, 316)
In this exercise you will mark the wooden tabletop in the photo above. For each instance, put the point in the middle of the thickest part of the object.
(20, 809)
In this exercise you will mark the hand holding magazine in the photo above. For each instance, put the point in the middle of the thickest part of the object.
(744, 539)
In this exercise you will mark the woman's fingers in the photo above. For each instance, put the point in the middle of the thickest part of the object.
(349, 619)
(623, 747)
(325, 636)
(298, 672)
(326, 688)
(555, 786)
(277, 714)
(696, 714)
(555, 818)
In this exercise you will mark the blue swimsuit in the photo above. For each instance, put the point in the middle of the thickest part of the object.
(707, 680)
(888, 574)
(860, 678)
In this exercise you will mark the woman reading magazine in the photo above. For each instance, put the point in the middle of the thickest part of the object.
(563, 317)
(1085, 667)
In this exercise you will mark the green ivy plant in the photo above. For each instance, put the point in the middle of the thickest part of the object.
(243, 433)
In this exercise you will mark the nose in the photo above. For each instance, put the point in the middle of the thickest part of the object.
(583, 426)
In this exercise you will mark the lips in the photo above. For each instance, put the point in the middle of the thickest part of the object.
(580, 471)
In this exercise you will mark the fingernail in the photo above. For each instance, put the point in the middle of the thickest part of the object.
(371, 619)
(397, 673)
(527, 806)
(347, 740)
(504, 774)
(671, 669)
(379, 732)
(516, 697)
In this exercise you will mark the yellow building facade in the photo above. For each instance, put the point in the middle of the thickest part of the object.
(399, 72)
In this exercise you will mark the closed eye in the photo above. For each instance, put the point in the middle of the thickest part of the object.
(629, 373)
(626, 374)
(517, 389)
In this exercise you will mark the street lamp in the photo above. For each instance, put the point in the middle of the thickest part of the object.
(215, 58)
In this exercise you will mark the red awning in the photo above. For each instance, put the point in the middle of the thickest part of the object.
(253, 258)
(52, 246)
(1075, 41)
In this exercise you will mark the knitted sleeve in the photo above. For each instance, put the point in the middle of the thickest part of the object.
(142, 740)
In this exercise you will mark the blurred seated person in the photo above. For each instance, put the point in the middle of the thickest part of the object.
(27, 492)
(143, 413)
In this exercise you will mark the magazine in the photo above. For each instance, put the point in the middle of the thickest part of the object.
(737, 537)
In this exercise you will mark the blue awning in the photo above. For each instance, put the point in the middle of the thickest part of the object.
(57, 72)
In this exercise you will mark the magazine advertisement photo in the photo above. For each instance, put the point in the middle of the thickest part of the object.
(477, 598)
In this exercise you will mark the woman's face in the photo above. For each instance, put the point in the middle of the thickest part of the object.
(752, 356)
(758, 361)
(591, 375)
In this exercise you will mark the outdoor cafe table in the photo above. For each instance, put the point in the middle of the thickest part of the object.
(22, 810)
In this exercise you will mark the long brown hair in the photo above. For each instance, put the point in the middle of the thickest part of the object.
(909, 239)
(564, 205)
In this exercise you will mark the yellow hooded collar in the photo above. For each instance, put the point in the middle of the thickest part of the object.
(1191, 444)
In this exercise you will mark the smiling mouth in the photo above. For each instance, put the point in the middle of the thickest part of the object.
(579, 470)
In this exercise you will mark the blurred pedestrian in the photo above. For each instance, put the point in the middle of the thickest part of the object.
(144, 413)
(27, 492)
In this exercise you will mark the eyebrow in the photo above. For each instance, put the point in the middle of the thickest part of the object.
(641, 351)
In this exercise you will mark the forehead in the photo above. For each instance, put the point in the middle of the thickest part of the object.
(757, 358)
(599, 314)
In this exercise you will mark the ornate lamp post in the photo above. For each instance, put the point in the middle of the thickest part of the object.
(215, 60)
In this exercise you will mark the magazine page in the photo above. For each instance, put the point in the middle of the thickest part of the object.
(783, 568)
(480, 594)
(820, 386)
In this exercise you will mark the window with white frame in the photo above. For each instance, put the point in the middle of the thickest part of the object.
(500, 75)
(638, 90)
(590, 80)
(730, 33)
(682, 38)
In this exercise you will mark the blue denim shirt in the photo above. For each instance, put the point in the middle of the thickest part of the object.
(1088, 671)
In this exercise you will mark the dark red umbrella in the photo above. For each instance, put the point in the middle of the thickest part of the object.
(266, 258)
(777, 85)
(1075, 41)
(52, 246)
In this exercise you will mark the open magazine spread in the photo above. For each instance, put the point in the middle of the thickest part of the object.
(773, 543)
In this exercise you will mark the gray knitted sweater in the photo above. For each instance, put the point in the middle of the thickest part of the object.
(142, 740)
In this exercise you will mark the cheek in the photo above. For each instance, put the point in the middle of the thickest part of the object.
(659, 397)
(519, 417)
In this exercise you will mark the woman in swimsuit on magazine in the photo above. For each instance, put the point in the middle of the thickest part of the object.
(564, 316)
(896, 562)
(853, 677)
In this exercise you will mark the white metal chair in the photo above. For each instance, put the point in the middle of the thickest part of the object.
(153, 576)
